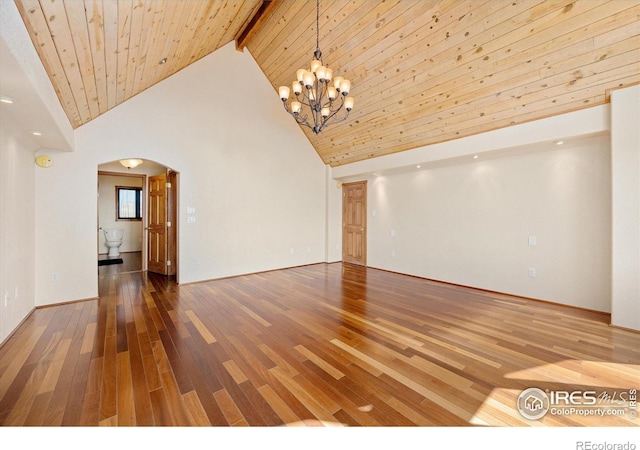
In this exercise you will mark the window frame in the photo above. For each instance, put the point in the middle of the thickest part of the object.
(139, 204)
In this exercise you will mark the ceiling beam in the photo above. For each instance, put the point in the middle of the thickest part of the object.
(253, 24)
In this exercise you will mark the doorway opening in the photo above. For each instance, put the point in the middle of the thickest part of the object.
(139, 206)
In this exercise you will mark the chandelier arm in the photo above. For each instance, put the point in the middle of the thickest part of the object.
(331, 104)
(335, 109)
(335, 119)
(302, 120)
(301, 98)
(327, 124)
(299, 118)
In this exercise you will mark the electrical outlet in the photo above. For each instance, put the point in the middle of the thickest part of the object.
(15, 293)
(6, 299)
(532, 272)
(54, 276)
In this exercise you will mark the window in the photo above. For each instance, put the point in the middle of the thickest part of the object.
(129, 203)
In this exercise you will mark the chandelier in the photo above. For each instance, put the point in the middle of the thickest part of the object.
(317, 101)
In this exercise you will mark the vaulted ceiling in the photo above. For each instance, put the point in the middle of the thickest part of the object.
(422, 71)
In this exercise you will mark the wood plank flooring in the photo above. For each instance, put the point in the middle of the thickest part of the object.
(324, 344)
(131, 262)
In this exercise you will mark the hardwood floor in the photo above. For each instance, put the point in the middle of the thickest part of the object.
(131, 262)
(325, 344)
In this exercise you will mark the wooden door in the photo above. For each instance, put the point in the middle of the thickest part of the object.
(157, 225)
(354, 223)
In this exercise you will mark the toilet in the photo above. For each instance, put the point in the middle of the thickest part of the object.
(113, 237)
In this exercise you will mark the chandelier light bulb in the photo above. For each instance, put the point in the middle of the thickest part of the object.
(348, 103)
(315, 64)
(328, 74)
(284, 93)
(321, 73)
(331, 93)
(345, 87)
(308, 79)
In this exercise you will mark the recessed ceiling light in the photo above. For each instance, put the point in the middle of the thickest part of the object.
(418, 166)
(559, 142)
(36, 133)
(5, 99)
(163, 60)
(475, 156)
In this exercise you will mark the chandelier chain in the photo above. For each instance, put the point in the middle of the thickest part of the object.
(318, 25)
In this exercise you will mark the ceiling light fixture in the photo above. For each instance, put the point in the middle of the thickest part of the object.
(5, 99)
(559, 142)
(44, 161)
(314, 94)
(130, 163)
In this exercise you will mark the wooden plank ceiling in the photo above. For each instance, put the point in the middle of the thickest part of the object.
(422, 71)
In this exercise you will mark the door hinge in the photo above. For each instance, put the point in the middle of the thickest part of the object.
(169, 224)
(168, 185)
(168, 262)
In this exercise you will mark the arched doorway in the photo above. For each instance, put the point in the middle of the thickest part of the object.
(128, 200)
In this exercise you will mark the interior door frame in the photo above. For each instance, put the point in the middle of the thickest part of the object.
(173, 177)
(365, 216)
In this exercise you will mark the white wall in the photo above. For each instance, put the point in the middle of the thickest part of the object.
(470, 223)
(255, 183)
(467, 221)
(333, 218)
(625, 149)
(17, 226)
(107, 213)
